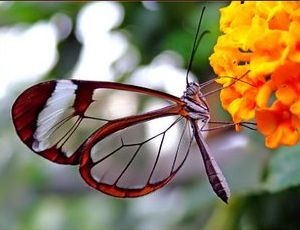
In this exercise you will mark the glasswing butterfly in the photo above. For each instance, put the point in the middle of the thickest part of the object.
(68, 122)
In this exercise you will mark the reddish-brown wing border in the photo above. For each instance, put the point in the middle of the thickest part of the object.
(30, 103)
(86, 163)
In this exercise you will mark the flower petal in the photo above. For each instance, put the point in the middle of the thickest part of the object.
(273, 140)
(286, 95)
(263, 95)
(267, 121)
(295, 108)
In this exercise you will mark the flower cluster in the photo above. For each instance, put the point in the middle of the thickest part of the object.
(258, 60)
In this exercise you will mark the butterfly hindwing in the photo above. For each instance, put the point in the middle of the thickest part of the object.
(137, 155)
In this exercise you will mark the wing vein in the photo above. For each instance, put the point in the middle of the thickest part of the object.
(70, 132)
(177, 150)
(128, 164)
(187, 152)
(157, 157)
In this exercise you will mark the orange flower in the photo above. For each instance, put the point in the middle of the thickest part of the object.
(277, 124)
(261, 45)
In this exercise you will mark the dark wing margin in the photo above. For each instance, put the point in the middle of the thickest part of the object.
(48, 117)
(25, 113)
(120, 163)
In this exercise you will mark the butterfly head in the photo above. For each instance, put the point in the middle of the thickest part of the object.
(192, 89)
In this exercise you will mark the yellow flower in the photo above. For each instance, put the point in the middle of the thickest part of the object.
(261, 45)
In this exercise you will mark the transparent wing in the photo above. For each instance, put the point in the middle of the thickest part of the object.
(136, 158)
(55, 118)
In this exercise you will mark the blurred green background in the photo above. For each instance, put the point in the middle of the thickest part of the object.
(117, 42)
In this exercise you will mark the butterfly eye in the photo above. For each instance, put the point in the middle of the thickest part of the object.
(122, 149)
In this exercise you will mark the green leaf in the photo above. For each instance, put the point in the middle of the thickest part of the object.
(283, 170)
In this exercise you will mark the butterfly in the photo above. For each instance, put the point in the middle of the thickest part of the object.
(68, 122)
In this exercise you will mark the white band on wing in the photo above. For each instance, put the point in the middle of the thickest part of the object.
(57, 107)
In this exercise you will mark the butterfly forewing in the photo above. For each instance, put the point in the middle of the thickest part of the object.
(55, 118)
(138, 159)
(123, 150)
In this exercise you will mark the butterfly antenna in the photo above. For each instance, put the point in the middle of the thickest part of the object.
(196, 43)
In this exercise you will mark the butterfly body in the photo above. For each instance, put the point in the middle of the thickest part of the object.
(67, 122)
(41, 112)
(198, 109)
